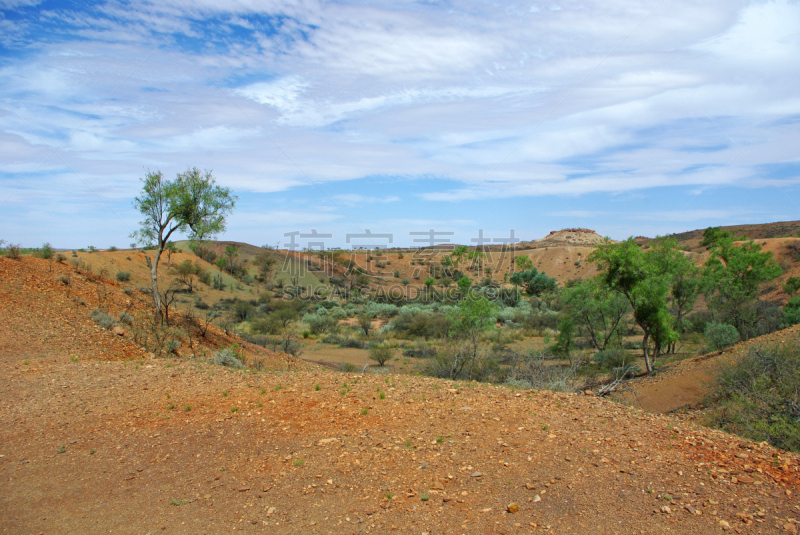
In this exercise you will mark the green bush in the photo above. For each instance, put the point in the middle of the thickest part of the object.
(125, 318)
(791, 312)
(792, 285)
(320, 324)
(721, 335)
(102, 318)
(380, 354)
(14, 251)
(226, 357)
(612, 358)
(352, 343)
(123, 276)
(756, 397)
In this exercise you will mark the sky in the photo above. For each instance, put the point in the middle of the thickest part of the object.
(493, 119)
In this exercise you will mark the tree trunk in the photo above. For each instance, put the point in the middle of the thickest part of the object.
(647, 362)
(154, 282)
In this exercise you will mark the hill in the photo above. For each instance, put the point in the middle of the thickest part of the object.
(96, 436)
(780, 229)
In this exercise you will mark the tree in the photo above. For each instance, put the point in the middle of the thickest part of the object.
(221, 265)
(523, 263)
(47, 253)
(231, 252)
(380, 354)
(534, 282)
(429, 282)
(464, 284)
(731, 279)
(684, 278)
(597, 309)
(191, 203)
(186, 271)
(629, 270)
(264, 261)
(477, 258)
(365, 322)
(457, 254)
(171, 248)
(471, 317)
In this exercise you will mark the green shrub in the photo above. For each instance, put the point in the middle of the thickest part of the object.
(123, 276)
(112, 249)
(226, 357)
(103, 319)
(405, 282)
(792, 285)
(612, 358)
(721, 335)
(756, 396)
(14, 251)
(791, 312)
(60, 258)
(347, 367)
(352, 343)
(125, 318)
(380, 354)
(46, 251)
(320, 324)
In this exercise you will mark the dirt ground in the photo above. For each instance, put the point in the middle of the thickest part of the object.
(95, 438)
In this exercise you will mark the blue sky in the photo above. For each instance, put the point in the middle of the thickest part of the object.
(630, 118)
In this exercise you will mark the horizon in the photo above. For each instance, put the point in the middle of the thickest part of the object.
(401, 118)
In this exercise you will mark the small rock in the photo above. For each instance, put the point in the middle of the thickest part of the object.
(119, 331)
(789, 528)
(244, 489)
(691, 509)
(745, 479)
(724, 525)
(512, 507)
(666, 509)
(537, 498)
(476, 474)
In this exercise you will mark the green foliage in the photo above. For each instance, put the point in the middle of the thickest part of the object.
(636, 274)
(380, 354)
(191, 203)
(596, 310)
(464, 284)
(757, 396)
(731, 279)
(226, 357)
(102, 318)
(534, 282)
(14, 251)
(791, 312)
(319, 324)
(721, 335)
(47, 251)
(123, 276)
(792, 285)
(565, 337)
(523, 263)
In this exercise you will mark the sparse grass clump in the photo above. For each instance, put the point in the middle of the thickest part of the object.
(123, 276)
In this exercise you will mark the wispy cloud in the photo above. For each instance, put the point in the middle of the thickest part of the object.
(462, 103)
